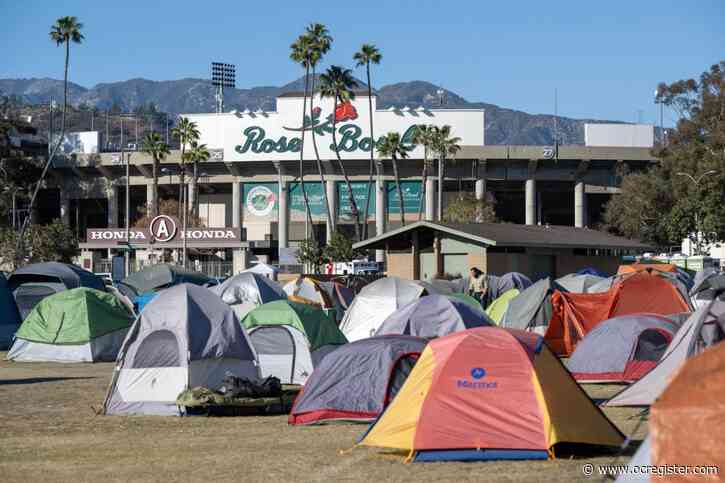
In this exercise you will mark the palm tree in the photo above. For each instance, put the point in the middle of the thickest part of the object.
(155, 147)
(443, 145)
(391, 146)
(64, 31)
(198, 153)
(300, 54)
(424, 135)
(319, 44)
(369, 54)
(186, 132)
(338, 83)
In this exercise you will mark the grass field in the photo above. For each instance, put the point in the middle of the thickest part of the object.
(50, 432)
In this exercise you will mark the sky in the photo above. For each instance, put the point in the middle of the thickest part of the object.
(603, 58)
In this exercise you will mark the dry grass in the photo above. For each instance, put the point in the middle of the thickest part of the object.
(49, 432)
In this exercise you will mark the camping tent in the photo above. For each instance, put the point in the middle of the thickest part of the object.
(283, 352)
(9, 315)
(701, 293)
(433, 316)
(578, 283)
(531, 309)
(497, 309)
(358, 380)
(263, 269)
(247, 290)
(684, 422)
(32, 283)
(185, 337)
(639, 461)
(446, 287)
(591, 271)
(497, 285)
(316, 326)
(704, 328)
(77, 325)
(162, 275)
(621, 349)
(375, 302)
(456, 404)
(308, 290)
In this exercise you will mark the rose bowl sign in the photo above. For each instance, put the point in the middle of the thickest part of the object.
(165, 231)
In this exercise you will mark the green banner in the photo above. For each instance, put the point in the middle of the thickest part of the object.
(261, 201)
(314, 196)
(360, 193)
(411, 196)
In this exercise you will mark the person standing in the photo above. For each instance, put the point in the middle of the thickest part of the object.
(477, 285)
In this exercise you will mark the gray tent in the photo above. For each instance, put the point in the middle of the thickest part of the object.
(357, 381)
(578, 283)
(602, 286)
(531, 309)
(162, 275)
(433, 316)
(704, 328)
(621, 349)
(32, 283)
(637, 464)
(497, 285)
(184, 338)
(701, 293)
(9, 315)
(247, 290)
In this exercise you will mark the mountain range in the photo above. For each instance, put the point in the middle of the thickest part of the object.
(502, 125)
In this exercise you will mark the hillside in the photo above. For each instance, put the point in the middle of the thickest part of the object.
(503, 126)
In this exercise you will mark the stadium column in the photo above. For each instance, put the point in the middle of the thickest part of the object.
(282, 213)
(236, 204)
(64, 207)
(530, 189)
(379, 215)
(580, 196)
(112, 193)
(149, 197)
(430, 199)
(331, 194)
(481, 179)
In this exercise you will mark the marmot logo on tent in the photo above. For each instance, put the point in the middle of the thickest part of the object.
(477, 373)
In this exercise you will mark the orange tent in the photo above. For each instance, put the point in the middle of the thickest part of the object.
(575, 314)
(638, 267)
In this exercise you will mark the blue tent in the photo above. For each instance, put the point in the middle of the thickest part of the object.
(591, 271)
(9, 315)
(141, 301)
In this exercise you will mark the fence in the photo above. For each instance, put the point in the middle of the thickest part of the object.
(210, 268)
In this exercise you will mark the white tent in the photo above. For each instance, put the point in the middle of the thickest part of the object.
(283, 352)
(184, 338)
(637, 464)
(264, 269)
(375, 303)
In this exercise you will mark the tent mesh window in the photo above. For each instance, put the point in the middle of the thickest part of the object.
(401, 371)
(160, 349)
(651, 344)
(28, 296)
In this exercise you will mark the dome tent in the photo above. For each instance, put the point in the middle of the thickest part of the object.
(247, 290)
(358, 380)
(456, 403)
(185, 337)
(497, 309)
(9, 315)
(78, 325)
(374, 303)
(433, 316)
(621, 349)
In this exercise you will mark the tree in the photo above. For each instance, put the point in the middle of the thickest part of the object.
(168, 207)
(186, 132)
(369, 54)
(198, 153)
(300, 54)
(319, 43)
(424, 135)
(391, 146)
(339, 248)
(311, 254)
(155, 147)
(444, 145)
(338, 84)
(465, 208)
(43, 243)
(684, 195)
(18, 168)
(63, 32)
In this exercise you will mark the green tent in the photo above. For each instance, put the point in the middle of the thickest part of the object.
(467, 299)
(498, 307)
(78, 325)
(319, 329)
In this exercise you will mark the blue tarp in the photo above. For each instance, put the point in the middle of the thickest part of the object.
(143, 299)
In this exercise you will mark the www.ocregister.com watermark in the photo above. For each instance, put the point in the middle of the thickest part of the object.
(654, 470)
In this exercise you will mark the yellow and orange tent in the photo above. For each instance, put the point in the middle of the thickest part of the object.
(489, 393)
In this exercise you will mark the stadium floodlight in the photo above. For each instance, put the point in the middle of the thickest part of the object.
(222, 75)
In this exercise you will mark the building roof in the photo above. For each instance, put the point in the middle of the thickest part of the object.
(513, 235)
(358, 93)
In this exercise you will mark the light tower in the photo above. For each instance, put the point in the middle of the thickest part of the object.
(222, 75)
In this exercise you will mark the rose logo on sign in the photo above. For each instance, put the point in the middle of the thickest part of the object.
(260, 201)
(162, 228)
